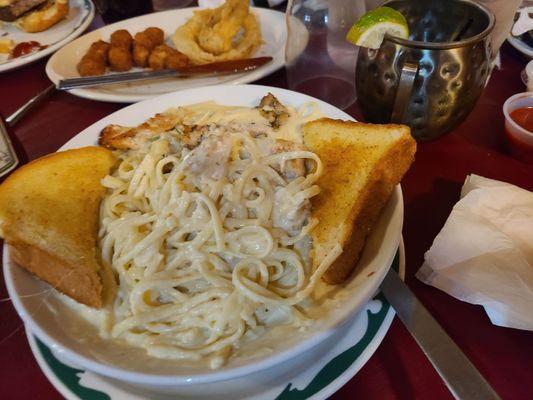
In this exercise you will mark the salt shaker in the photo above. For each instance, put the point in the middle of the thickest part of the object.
(319, 60)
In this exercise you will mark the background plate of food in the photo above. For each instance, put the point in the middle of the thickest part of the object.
(39, 31)
(303, 173)
(261, 33)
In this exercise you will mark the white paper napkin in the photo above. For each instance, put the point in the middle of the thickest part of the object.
(484, 253)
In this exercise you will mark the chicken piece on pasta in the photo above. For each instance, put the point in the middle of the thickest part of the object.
(275, 112)
(124, 137)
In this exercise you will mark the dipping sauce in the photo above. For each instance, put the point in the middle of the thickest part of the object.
(523, 117)
(519, 148)
(24, 48)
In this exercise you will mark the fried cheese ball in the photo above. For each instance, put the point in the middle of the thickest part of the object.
(140, 55)
(156, 35)
(120, 58)
(159, 55)
(143, 39)
(89, 66)
(144, 43)
(121, 38)
(176, 60)
(94, 62)
(101, 48)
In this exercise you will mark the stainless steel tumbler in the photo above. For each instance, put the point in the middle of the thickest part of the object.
(432, 80)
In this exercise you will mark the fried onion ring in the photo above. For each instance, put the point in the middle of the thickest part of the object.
(186, 39)
(226, 21)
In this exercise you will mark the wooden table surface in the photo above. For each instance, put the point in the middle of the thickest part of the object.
(398, 369)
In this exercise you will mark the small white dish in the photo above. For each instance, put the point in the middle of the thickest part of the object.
(50, 325)
(79, 18)
(355, 343)
(62, 65)
(520, 140)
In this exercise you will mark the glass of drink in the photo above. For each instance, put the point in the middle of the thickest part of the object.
(319, 60)
(116, 10)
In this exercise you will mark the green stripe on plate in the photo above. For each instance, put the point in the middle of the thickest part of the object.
(69, 376)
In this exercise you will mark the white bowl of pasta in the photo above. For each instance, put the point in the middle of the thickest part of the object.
(267, 348)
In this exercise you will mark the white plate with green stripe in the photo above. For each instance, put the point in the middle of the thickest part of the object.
(356, 341)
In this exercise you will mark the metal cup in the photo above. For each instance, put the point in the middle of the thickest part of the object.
(432, 80)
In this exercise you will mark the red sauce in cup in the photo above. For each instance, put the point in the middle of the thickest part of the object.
(523, 117)
(24, 48)
(518, 148)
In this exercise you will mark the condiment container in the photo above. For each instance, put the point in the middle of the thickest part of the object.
(519, 139)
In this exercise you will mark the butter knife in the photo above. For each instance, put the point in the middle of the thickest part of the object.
(460, 376)
(217, 68)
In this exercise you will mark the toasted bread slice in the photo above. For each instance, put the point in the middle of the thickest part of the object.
(362, 165)
(49, 213)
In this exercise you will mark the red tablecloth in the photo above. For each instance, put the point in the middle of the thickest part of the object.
(398, 369)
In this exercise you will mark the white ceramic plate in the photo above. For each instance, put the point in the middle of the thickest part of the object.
(521, 45)
(80, 16)
(62, 65)
(355, 343)
(346, 300)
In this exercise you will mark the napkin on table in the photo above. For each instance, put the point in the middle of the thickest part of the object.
(484, 253)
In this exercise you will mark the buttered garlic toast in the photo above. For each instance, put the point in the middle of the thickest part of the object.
(362, 165)
(49, 217)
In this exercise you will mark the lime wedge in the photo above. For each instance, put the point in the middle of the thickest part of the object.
(371, 28)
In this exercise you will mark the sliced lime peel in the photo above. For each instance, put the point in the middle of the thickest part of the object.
(372, 27)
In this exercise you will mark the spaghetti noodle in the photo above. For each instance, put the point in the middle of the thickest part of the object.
(207, 242)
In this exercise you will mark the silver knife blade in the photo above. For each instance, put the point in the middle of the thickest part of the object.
(460, 376)
(30, 104)
(217, 68)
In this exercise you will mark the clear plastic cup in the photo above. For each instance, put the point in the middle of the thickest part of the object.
(319, 60)
(519, 139)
